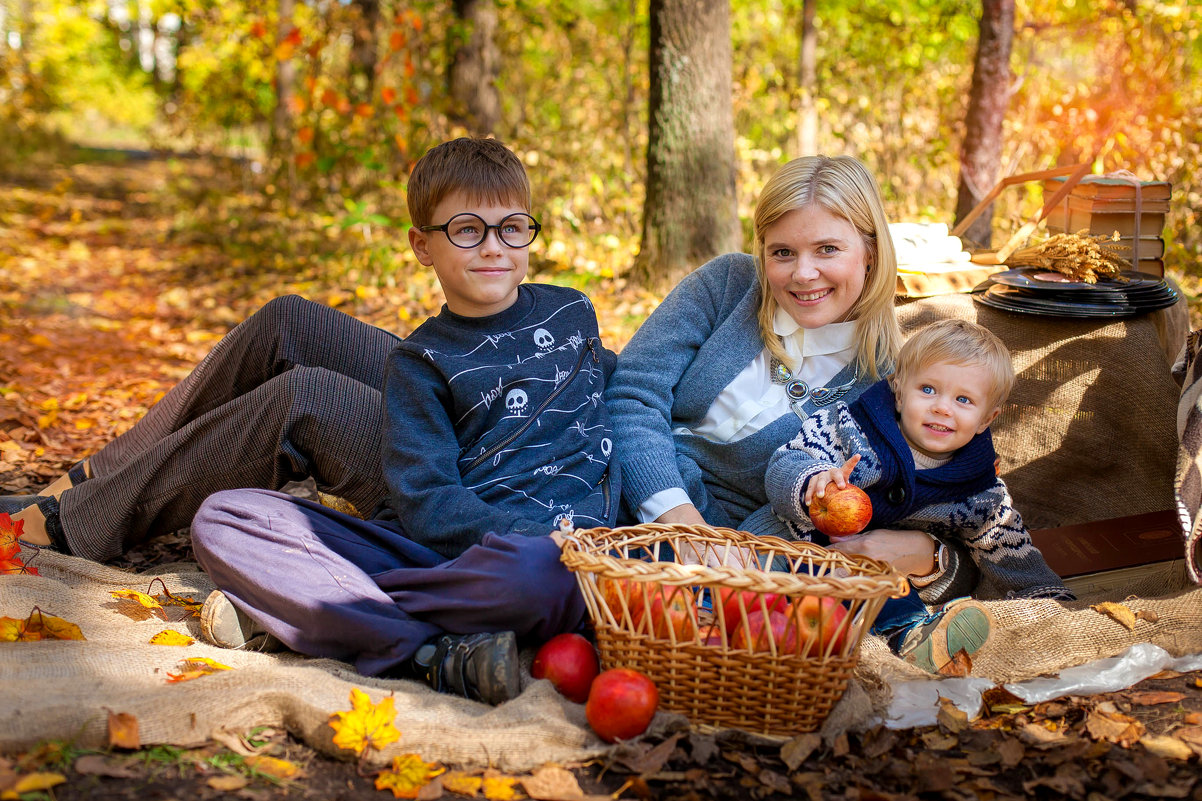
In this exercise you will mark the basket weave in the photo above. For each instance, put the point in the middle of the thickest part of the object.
(703, 670)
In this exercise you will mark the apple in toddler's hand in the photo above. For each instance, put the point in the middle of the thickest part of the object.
(621, 704)
(570, 662)
(841, 513)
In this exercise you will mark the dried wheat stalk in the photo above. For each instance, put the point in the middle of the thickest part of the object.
(1080, 256)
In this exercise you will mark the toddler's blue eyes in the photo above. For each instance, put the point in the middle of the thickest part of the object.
(928, 390)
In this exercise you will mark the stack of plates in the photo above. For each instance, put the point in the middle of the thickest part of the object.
(1030, 290)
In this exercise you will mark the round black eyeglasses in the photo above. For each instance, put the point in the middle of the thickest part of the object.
(468, 230)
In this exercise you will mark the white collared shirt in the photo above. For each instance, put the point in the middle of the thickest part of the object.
(751, 401)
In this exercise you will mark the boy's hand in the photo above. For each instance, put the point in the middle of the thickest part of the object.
(816, 488)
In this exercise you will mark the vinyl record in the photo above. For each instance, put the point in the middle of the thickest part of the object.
(1025, 304)
(1036, 278)
(1039, 300)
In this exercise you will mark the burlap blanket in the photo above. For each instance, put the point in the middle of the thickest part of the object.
(1088, 434)
(65, 689)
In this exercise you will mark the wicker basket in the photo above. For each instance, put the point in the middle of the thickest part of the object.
(703, 667)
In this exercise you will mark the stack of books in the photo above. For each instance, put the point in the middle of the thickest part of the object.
(1104, 205)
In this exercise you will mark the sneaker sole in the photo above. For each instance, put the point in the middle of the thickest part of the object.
(967, 630)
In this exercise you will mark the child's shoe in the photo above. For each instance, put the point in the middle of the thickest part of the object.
(962, 625)
(48, 507)
(221, 624)
(482, 666)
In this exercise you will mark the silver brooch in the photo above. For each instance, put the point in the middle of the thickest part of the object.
(797, 390)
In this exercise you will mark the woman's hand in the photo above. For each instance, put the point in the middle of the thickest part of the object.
(687, 515)
(912, 553)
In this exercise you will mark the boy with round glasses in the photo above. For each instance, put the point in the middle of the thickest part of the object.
(494, 432)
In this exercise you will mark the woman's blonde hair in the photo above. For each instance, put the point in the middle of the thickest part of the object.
(961, 343)
(843, 187)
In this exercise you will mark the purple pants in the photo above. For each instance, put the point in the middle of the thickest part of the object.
(329, 584)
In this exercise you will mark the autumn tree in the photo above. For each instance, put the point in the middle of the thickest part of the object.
(690, 211)
(364, 55)
(475, 65)
(807, 79)
(981, 149)
(285, 81)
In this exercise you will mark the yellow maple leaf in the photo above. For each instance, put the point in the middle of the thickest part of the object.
(194, 668)
(365, 724)
(142, 598)
(38, 626)
(456, 781)
(408, 775)
(171, 637)
(500, 788)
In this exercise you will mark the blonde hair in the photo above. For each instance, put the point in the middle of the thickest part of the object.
(484, 170)
(842, 186)
(962, 343)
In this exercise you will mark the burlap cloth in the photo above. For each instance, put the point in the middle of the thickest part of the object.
(1088, 434)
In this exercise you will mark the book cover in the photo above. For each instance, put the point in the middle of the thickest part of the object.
(1099, 186)
(1112, 205)
(1111, 544)
(1150, 223)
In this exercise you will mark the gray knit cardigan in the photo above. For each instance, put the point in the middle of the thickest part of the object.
(703, 334)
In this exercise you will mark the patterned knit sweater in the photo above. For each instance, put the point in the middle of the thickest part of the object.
(960, 501)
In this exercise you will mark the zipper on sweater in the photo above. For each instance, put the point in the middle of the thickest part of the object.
(534, 416)
(605, 494)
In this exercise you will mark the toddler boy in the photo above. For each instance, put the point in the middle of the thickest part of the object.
(919, 444)
(494, 433)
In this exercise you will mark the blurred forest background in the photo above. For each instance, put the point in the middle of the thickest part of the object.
(292, 123)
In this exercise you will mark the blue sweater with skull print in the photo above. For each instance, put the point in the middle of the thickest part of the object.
(498, 423)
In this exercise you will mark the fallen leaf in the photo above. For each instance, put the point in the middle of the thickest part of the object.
(1147, 615)
(123, 731)
(10, 548)
(461, 783)
(171, 637)
(1041, 737)
(552, 783)
(228, 783)
(1166, 746)
(408, 774)
(959, 666)
(950, 717)
(365, 724)
(279, 768)
(1193, 718)
(99, 765)
(498, 787)
(194, 668)
(1155, 697)
(1119, 613)
(38, 626)
(34, 782)
(936, 740)
(1114, 727)
(141, 598)
(798, 750)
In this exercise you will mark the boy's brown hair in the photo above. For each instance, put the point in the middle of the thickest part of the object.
(483, 169)
(958, 342)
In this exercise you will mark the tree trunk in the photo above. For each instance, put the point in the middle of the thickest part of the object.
(690, 213)
(981, 153)
(807, 80)
(285, 87)
(475, 65)
(364, 51)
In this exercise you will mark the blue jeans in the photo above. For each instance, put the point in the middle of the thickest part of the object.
(899, 616)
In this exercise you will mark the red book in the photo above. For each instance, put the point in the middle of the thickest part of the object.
(1111, 544)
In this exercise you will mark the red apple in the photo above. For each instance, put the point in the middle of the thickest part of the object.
(621, 704)
(615, 591)
(755, 635)
(728, 601)
(570, 662)
(672, 610)
(819, 622)
(841, 512)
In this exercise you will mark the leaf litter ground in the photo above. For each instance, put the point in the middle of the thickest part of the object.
(117, 277)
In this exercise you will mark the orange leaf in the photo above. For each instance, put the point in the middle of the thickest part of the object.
(10, 532)
(397, 40)
(280, 768)
(460, 783)
(409, 68)
(411, 95)
(388, 95)
(258, 29)
(305, 134)
(38, 626)
(284, 51)
(123, 731)
(305, 158)
(498, 787)
(194, 668)
(294, 37)
(329, 98)
(296, 104)
(365, 724)
(15, 566)
(1152, 697)
(408, 774)
(364, 110)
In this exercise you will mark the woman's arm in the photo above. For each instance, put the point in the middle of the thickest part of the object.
(913, 553)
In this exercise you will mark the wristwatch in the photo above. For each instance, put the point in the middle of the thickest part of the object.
(940, 566)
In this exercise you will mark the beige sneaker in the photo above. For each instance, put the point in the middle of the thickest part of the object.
(962, 625)
(221, 624)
